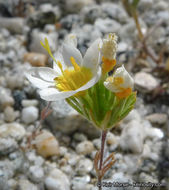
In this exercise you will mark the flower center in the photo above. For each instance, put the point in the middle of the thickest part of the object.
(74, 78)
(118, 81)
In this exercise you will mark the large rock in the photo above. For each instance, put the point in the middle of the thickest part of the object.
(67, 120)
(14, 130)
(132, 137)
(145, 81)
(14, 25)
(107, 25)
(46, 144)
(57, 180)
(37, 36)
(76, 5)
(36, 59)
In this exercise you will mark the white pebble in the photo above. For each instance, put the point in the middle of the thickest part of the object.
(85, 147)
(57, 180)
(47, 144)
(14, 130)
(27, 103)
(132, 137)
(9, 114)
(30, 114)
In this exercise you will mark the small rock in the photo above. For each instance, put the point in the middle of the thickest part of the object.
(145, 81)
(76, 5)
(107, 25)
(97, 143)
(7, 145)
(14, 25)
(152, 132)
(36, 59)
(84, 166)
(85, 147)
(28, 103)
(91, 13)
(14, 130)
(46, 144)
(18, 95)
(9, 114)
(143, 177)
(65, 119)
(79, 137)
(36, 174)
(30, 114)
(73, 159)
(133, 115)
(111, 139)
(57, 180)
(80, 182)
(157, 118)
(13, 81)
(24, 184)
(5, 98)
(114, 11)
(132, 137)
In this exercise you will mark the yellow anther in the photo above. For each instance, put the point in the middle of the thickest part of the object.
(108, 64)
(75, 65)
(118, 81)
(60, 65)
(124, 93)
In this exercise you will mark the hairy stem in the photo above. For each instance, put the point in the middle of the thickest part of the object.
(103, 138)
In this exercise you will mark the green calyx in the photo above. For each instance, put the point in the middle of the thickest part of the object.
(102, 107)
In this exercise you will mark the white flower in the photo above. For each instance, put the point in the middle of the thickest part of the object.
(121, 83)
(71, 73)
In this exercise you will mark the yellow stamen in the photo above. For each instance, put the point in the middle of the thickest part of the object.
(123, 94)
(47, 48)
(118, 80)
(108, 64)
(71, 79)
(75, 65)
(74, 78)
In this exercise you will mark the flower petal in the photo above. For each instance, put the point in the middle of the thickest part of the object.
(71, 40)
(128, 80)
(59, 58)
(46, 73)
(69, 51)
(91, 82)
(111, 87)
(92, 57)
(34, 78)
(52, 94)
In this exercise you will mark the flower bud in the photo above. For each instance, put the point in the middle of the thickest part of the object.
(121, 83)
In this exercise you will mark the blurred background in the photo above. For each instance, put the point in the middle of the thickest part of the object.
(65, 162)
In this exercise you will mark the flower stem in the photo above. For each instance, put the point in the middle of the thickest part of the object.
(103, 138)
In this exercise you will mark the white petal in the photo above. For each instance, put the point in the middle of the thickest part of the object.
(92, 56)
(59, 58)
(46, 73)
(70, 51)
(91, 82)
(71, 40)
(111, 87)
(34, 78)
(52, 94)
(128, 80)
